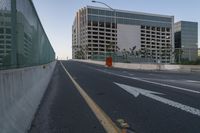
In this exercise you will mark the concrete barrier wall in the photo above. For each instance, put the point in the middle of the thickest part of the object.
(181, 68)
(178, 68)
(136, 66)
(91, 61)
(21, 91)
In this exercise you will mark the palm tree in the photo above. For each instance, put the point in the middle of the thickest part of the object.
(109, 48)
(132, 50)
(178, 52)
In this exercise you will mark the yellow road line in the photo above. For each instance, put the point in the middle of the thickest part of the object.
(103, 118)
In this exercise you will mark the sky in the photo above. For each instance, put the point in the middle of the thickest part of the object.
(57, 16)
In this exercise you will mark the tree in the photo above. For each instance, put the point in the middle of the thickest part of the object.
(178, 52)
(125, 53)
(79, 54)
(132, 50)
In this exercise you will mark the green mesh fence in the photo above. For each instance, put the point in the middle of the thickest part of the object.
(23, 41)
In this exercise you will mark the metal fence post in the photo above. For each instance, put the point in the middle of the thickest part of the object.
(14, 55)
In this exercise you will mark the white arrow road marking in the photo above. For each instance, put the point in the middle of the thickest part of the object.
(151, 94)
(151, 82)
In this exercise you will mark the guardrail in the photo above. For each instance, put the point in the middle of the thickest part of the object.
(21, 91)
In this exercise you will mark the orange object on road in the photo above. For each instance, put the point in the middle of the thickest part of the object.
(109, 61)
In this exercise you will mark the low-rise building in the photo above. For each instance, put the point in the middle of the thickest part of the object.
(98, 30)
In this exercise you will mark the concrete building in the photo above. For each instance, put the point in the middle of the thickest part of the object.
(95, 31)
(186, 40)
(199, 52)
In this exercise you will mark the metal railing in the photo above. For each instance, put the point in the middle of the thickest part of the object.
(23, 41)
(177, 56)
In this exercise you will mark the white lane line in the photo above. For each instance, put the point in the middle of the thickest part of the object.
(192, 81)
(168, 80)
(153, 95)
(147, 81)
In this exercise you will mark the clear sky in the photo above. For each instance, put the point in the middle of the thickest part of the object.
(57, 16)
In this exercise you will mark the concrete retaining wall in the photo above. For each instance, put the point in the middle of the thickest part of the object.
(21, 91)
(180, 68)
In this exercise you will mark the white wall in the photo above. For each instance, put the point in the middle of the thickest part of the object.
(128, 36)
(21, 91)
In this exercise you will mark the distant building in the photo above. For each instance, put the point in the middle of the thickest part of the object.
(95, 31)
(186, 40)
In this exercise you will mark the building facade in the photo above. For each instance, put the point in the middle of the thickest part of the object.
(199, 52)
(99, 30)
(186, 40)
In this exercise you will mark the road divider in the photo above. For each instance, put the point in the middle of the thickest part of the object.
(148, 66)
(21, 91)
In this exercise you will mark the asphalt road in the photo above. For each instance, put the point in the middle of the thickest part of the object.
(63, 110)
(149, 101)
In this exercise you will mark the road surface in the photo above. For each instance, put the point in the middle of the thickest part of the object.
(149, 101)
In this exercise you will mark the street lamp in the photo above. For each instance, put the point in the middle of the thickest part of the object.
(115, 15)
(94, 1)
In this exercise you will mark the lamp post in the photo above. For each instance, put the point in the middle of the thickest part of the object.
(115, 15)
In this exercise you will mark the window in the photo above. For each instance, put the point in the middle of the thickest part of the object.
(89, 23)
(8, 46)
(95, 23)
(1, 30)
(153, 28)
(1, 42)
(101, 24)
(8, 37)
(102, 12)
(8, 42)
(8, 31)
(108, 25)
(94, 11)
(142, 27)
(168, 29)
